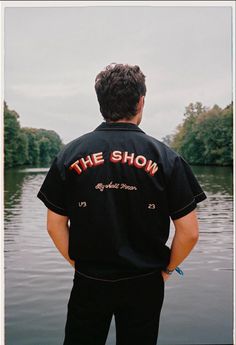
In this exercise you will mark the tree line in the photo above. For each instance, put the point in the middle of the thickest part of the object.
(206, 135)
(27, 146)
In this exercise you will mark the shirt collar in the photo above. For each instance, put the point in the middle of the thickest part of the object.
(118, 126)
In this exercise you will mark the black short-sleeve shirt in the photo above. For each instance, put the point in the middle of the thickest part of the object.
(119, 188)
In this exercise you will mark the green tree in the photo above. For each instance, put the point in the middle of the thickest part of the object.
(53, 138)
(27, 146)
(44, 151)
(215, 132)
(205, 136)
(185, 140)
(11, 133)
(33, 146)
(21, 152)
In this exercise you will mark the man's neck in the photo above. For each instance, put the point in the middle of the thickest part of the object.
(125, 120)
(135, 120)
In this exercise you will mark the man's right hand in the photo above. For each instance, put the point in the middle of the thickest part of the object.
(165, 276)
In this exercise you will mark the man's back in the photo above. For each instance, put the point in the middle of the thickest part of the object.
(114, 185)
(110, 196)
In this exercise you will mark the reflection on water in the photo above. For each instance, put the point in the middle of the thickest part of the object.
(197, 307)
(215, 180)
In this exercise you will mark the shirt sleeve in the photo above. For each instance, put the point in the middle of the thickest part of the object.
(184, 191)
(52, 191)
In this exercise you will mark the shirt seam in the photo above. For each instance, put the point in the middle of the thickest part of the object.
(51, 202)
(120, 129)
(115, 280)
(198, 194)
(183, 208)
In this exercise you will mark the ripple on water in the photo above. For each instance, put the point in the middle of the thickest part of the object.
(38, 280)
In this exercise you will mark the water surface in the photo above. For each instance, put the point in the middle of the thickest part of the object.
(197, 309)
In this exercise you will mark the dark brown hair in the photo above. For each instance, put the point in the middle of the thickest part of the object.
(119, 88)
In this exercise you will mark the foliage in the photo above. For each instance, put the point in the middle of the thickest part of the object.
(27, 146)
(206, 135)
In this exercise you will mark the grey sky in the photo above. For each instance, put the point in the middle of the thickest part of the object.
(52, 56)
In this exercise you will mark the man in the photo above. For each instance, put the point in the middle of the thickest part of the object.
(110, 196)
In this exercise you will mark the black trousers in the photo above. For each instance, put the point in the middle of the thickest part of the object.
(135, 303)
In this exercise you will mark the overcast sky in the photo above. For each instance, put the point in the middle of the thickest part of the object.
(52, 56)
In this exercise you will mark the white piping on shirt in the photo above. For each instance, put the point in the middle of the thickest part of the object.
(181, 209)
(51, 202)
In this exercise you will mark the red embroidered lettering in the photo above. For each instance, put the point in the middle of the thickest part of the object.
(125, 157)
(151, 168)
(128, 158)
(140, 162)
(97, 158)
(116, 156)
(85, 163)
(75, 166)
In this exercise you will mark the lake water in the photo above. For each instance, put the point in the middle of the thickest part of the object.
(197, 309)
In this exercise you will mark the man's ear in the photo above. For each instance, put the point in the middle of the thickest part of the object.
(143, 99)
(140, 104)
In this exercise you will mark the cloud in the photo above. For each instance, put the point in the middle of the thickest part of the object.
(47, 90)
(52, 56)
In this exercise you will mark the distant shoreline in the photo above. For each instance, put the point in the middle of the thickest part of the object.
(29, 167)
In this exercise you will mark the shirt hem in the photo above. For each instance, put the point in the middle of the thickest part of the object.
(50, 205)
(116, 280)
(189, 207)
